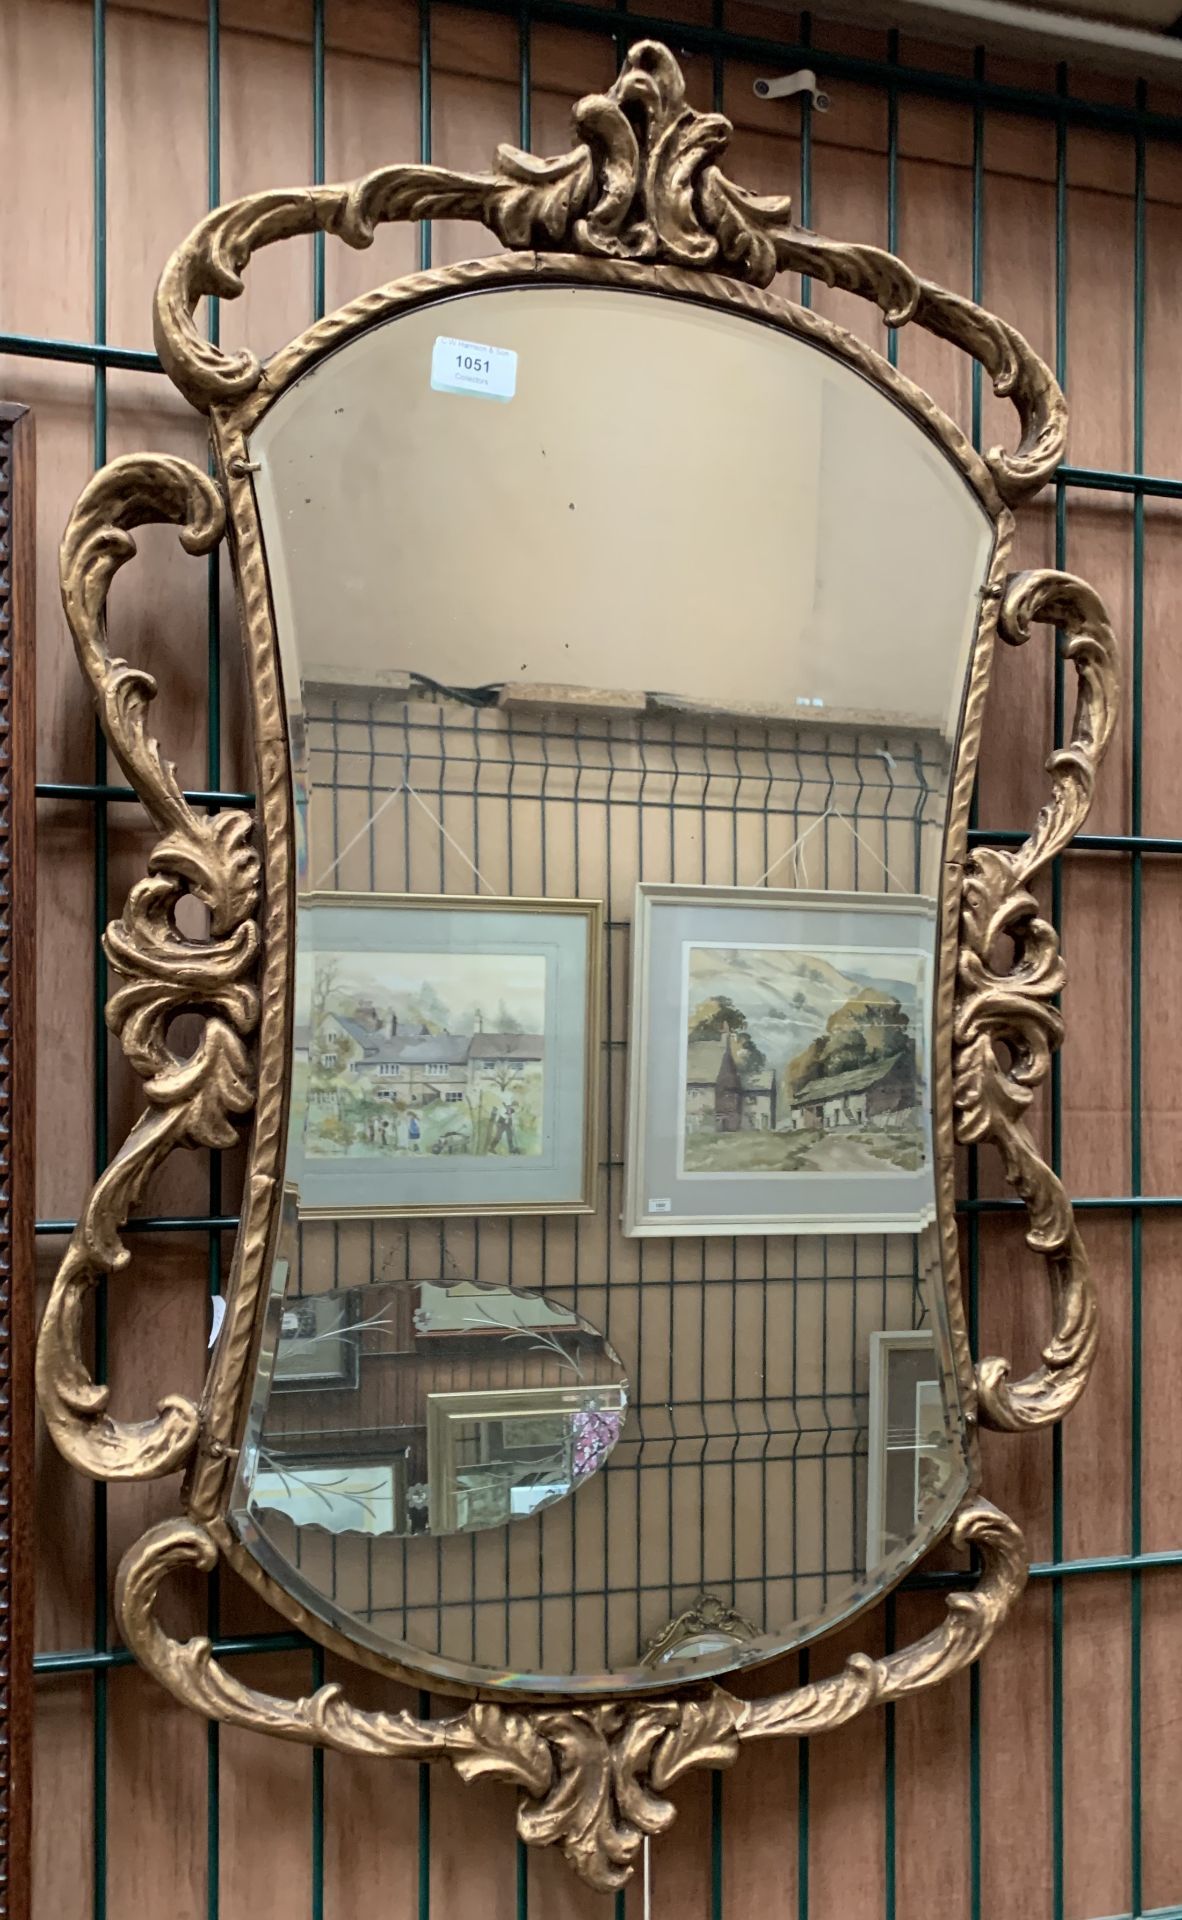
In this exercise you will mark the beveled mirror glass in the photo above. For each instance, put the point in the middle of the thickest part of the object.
(608, 973)
(788, 505)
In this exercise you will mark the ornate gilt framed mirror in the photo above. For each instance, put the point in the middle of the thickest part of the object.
(602, 974)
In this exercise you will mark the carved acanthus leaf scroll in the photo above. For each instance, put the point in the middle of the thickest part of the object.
(1007, 1024)
(594, 1777)
(642, 184)
(971, 1619)
(193, 1099)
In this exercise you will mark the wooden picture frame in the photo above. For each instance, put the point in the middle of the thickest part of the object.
(17, 1006)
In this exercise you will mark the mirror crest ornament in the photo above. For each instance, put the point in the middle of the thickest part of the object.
(640, 202)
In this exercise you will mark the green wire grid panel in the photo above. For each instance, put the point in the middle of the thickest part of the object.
(1042, 1784)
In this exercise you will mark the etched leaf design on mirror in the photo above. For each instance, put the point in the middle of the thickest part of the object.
(359, 1428)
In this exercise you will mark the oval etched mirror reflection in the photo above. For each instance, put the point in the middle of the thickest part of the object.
(625, 644)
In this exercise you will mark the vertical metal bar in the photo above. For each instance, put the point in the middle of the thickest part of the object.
(806, 159)
(889, 1795)
(1057, 1595)
(1135, 1088)
(975, 1790)
(213, 101)
(802, 1807)
(213, 701)
(893, 177)
(716, 1849)
(718, 61)
(620, 40)
(978, 222)
(318, 7)
(317, 1801)
(424, 1912)
(425, 119)
(101, 1087)
(524, 79)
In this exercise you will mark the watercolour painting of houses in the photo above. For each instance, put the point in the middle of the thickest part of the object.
(399, 1058)
(444, 1050)
(802, 1060)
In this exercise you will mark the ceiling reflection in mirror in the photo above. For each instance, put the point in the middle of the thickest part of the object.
(693, 603)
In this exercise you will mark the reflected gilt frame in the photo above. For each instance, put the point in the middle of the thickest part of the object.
(641, 201)
(448, 1412)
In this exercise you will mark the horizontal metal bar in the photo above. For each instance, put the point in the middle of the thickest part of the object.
(1114, 480)
(181, 1223)
(87, 1660)
(978, 836)
(1082, 842)
(227, 1222)
(107, 795)
(31, 346)
(1093, 1202)
(955, 1579)
(1107, 1563)
(89, 353)
(845, 66)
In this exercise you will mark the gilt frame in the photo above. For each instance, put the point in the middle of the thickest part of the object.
(640, 200)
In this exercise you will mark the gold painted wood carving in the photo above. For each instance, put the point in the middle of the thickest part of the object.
(593, 1777)
(640, 200)
(193, 1101)
(641, 185)
(1007, 1023)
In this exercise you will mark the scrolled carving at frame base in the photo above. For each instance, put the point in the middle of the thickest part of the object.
(594, 1778)
(1007, 1025)
(643, 184)
(194, 1099)
(970, 1622)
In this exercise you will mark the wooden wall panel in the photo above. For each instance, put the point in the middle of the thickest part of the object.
(158, 181)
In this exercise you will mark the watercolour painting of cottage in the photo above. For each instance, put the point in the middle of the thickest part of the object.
(802, 1061)
(778, 1065)
(444, 1052)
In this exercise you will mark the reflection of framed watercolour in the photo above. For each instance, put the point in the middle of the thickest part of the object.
(778, 1078)
(911, 1453)
(318, 1343)
(445, 1055)
(342, 1496)
(499, 1454)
